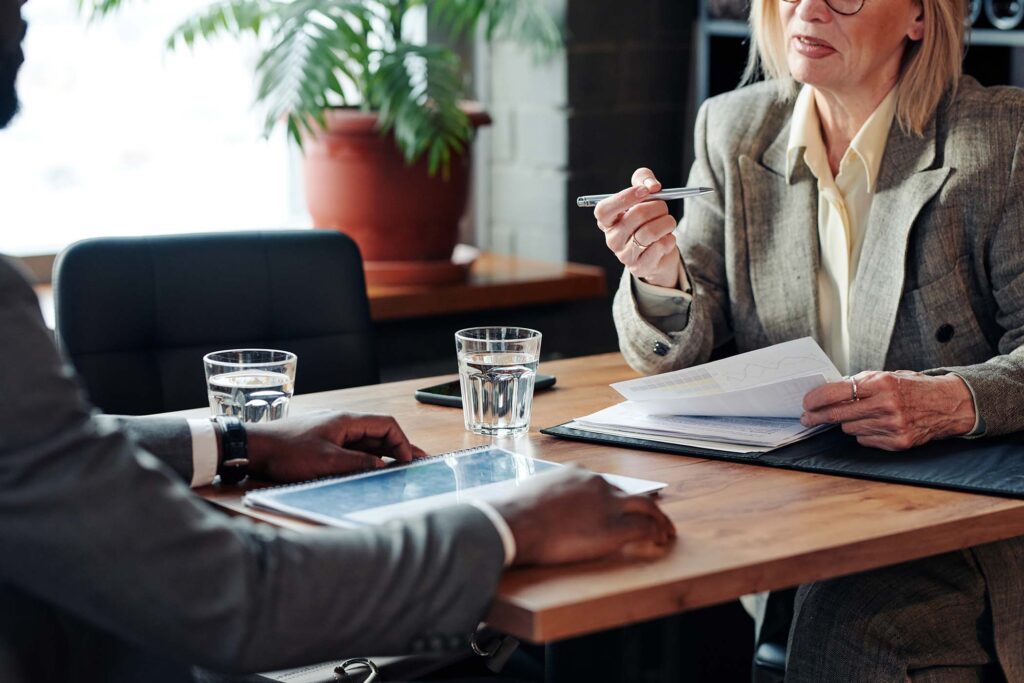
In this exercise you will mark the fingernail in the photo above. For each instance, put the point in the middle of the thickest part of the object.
(642, 191)
(649, 183)
(804, 420)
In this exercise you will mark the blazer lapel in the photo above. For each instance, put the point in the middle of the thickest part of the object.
(782, 242)
(905, 184)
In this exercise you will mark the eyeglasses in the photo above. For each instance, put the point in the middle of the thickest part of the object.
(845, 7)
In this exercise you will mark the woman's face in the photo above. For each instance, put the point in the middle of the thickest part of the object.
(848, 54)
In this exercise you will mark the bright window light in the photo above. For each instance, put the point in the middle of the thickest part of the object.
(118, 136)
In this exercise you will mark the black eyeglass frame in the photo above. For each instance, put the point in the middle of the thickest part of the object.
(829, 3)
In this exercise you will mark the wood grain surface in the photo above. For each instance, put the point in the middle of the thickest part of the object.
(495, 282)
(742, 528)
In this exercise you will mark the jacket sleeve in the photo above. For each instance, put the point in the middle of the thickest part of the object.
(96, 526)
(168, 438)
(647, 346)
(998, 384)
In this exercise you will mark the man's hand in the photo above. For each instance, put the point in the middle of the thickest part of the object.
(893, 410)
(325, 443)
(573, 515)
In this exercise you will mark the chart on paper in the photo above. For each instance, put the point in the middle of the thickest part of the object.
(792, 360)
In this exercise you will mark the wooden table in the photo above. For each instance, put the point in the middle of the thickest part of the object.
(742, 528)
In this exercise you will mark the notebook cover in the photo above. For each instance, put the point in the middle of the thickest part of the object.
(993, 466)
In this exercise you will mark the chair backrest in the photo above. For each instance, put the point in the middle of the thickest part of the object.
(136, 315)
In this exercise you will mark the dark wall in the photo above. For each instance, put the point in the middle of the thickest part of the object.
(628, 82)
(629, 75)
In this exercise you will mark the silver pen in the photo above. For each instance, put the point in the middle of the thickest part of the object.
(670, 193)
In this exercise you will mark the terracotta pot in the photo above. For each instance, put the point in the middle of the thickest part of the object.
(358, 182)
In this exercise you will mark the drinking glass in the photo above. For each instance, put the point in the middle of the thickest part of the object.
(497, 366)
(254, 385)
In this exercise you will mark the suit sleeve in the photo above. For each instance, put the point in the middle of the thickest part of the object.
(700, 321)
(96, 526)
(998, 384)
(168, 438)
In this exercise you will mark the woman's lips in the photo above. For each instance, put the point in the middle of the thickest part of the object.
(815, 48)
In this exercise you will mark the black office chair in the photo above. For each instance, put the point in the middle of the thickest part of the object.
(769, 665)
(136, 315)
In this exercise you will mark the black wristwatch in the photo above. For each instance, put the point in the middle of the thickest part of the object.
(233, 465)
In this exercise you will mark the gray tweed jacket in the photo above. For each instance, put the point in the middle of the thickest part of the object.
(940, 286)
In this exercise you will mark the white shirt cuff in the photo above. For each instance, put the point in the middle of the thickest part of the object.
(979, 426)
(508, 541)
(204, 452)
(658, 302)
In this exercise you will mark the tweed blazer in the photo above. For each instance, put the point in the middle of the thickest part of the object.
(940, 284)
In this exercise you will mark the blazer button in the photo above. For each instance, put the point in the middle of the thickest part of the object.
(660, 348)
(945, 333)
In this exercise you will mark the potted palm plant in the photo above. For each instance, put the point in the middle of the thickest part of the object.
(381, 119)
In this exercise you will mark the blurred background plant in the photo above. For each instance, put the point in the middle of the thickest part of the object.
(319, 54)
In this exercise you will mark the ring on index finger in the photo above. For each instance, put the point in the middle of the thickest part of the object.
(853, 389)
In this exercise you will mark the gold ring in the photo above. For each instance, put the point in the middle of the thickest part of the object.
(634, 240)
(853, 387)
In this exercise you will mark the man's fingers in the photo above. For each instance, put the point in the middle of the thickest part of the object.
(345, 460)
(638, 529)
(382, 429)
(644, 505)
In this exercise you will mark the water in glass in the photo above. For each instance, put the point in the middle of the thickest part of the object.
(497, 391)
(251, 395)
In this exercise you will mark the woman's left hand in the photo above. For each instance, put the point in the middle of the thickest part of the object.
(893, 410)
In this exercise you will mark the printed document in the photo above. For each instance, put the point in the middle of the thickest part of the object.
(749, 403)
(769, 382)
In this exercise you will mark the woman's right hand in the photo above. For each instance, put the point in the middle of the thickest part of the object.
(640, 232)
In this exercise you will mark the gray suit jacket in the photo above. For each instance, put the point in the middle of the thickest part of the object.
(95, 527)
(940, 284)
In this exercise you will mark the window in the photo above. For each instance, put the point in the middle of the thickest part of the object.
(118, 136)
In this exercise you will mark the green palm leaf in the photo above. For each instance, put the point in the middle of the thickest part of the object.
(526, 21)
(322, 53)
(416, 90)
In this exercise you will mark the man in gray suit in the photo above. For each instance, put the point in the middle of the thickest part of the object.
(114, 571)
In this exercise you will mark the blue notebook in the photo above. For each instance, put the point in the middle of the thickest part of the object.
(422, 485)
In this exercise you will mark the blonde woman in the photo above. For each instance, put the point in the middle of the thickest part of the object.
(871, 197)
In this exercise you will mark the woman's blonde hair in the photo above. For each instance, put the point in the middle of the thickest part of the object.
(930, 65)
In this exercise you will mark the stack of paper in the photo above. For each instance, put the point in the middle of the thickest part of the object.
(751, 402)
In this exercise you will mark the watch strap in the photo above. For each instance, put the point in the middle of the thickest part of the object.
(233, 466)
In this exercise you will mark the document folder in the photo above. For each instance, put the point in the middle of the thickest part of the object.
(993, 466)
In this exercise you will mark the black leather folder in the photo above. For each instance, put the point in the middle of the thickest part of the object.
(992, 466)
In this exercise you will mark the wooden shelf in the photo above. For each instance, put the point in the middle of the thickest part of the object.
(495, 282)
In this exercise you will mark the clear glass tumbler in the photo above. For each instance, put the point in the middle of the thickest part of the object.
(497, 367)
(254, 385)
